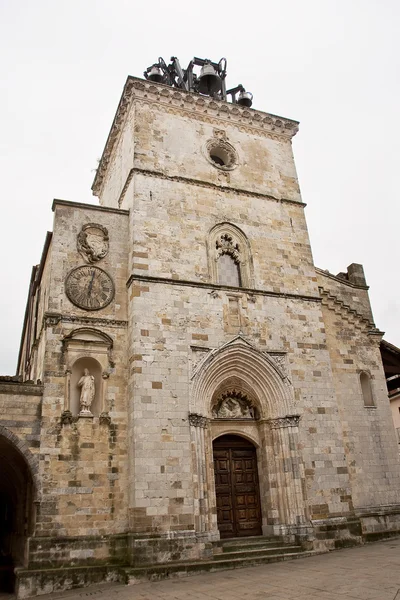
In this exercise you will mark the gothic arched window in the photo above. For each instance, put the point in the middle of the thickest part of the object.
(229, 256)
(228, 261)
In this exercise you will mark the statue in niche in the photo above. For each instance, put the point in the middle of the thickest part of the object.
(233, 407)
(86, 383)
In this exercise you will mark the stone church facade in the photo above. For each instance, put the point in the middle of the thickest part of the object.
(233, 389)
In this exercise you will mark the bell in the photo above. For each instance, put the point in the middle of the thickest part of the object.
(209, 81)
(156, 74)
(245, 99)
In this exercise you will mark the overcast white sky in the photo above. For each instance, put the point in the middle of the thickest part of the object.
(333, 65)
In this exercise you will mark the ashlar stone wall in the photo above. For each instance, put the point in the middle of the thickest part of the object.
(368, 433)
(135, 481)
(83, 462)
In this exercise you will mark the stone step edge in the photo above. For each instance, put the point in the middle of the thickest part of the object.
(230, 549)
(209, 565)
(253, 539)
(257, 551)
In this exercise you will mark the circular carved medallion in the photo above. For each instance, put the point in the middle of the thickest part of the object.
(89, 287)
(92, 242)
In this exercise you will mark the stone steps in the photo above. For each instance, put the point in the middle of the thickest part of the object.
(227, 554)
(254, 552)
(233, 544)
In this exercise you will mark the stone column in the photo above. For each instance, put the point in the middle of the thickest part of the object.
(288, 474)
(67, 390)
(198, 424)
(103, 400)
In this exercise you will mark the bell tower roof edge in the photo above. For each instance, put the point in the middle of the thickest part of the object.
(136, 89)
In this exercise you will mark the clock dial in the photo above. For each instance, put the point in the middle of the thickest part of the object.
(89, 287)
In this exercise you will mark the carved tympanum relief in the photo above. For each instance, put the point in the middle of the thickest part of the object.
(234, 405)
(92, 242)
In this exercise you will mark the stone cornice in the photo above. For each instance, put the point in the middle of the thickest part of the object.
(374, 511)
(21, 389)
(52, 319)
(216, 286)
(107, 209)
(205, 108)
(203, 184)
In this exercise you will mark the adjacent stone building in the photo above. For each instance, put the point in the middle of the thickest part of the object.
(186, 373)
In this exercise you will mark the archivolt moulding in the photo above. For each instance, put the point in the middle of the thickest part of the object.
(250, 435)
(239, 363)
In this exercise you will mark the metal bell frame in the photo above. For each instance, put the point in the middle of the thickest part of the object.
(210, 81)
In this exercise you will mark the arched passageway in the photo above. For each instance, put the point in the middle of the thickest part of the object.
(236, 487)
(16, 508)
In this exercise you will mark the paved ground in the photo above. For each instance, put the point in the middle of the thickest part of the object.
(371, 572)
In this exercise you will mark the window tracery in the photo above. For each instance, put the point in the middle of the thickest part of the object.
(229, 256)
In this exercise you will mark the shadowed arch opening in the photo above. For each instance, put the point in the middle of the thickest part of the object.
(236, 431)
(17, 491)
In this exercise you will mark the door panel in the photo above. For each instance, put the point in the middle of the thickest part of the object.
(236, 485)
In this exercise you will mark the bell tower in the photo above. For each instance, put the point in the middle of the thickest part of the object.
(219, 254)
(197, 377)
(227, 324)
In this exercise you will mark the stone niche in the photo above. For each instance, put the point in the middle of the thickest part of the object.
(90, 349)
(77, 371)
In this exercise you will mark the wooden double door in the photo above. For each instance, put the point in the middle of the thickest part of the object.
(236, 486)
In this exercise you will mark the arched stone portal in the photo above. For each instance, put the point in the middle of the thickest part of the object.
(239, 391)
(16, 511)
(236, 487)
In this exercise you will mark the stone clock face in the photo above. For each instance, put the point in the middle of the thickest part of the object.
(89, 287)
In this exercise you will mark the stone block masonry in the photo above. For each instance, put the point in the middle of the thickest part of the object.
(235, 388)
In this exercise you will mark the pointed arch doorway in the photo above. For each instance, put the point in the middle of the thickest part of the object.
(236, 486)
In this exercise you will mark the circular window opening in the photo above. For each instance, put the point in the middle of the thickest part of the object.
(217, 159)
(221, 154)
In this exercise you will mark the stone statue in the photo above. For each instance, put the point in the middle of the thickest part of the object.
(86, 383)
